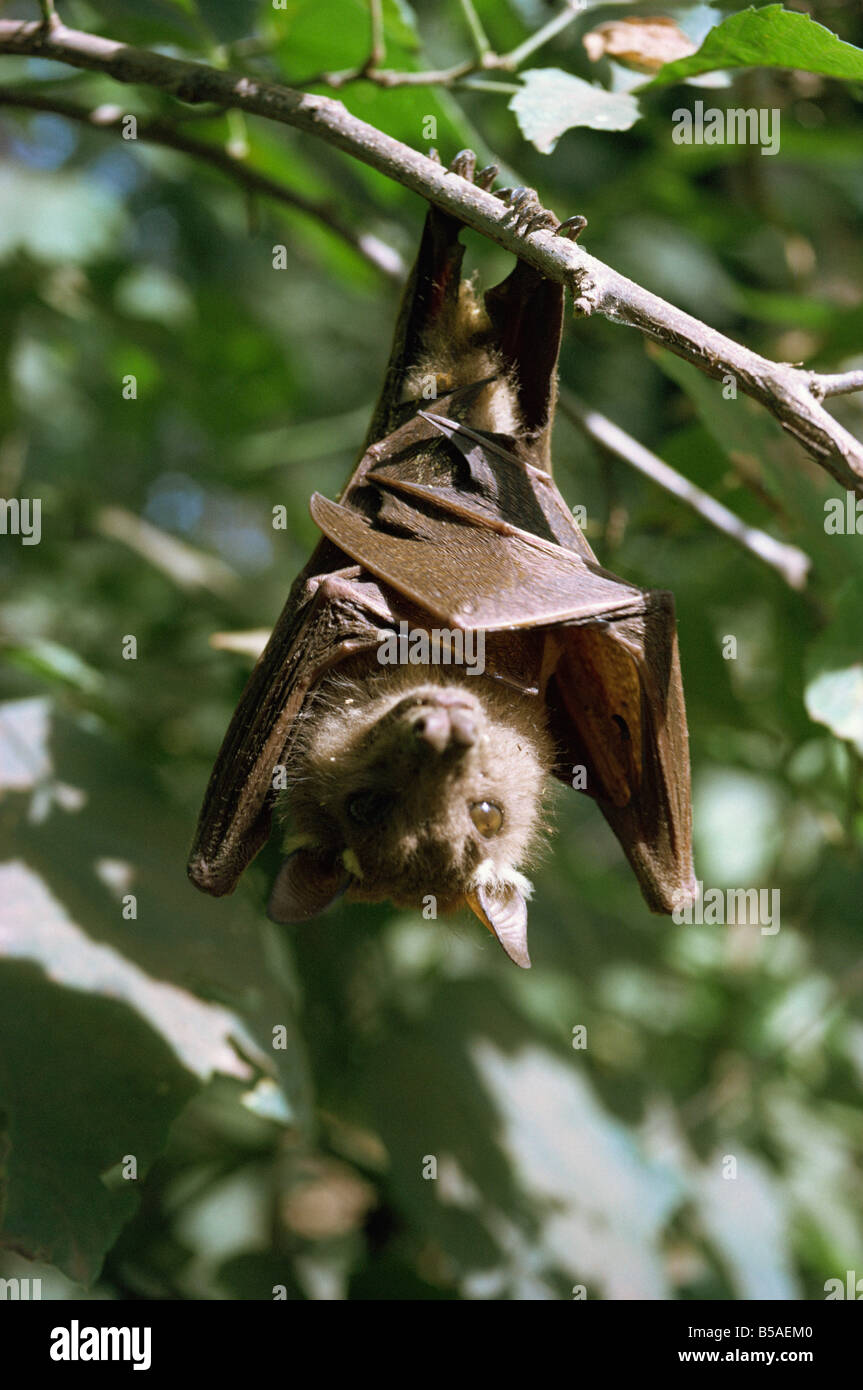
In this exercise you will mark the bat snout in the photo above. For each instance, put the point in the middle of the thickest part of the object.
(445, 718)
(442, 727)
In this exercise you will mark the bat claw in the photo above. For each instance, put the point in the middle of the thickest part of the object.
(572, 227)
(464, 165)
(541, 221)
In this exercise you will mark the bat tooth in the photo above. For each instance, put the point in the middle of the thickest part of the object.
(504, 911)
(510, 928)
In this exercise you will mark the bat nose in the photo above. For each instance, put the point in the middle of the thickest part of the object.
(447, 724)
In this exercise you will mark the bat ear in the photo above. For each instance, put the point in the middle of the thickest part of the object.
(501, 905)
(307, 882)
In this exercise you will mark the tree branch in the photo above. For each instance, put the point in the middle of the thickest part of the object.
(790, 393)
(156, 132)
(787, 560)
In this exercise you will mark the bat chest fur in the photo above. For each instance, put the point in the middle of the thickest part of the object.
(457, 351)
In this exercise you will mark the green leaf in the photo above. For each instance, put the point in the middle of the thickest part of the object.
(55, 664)
(83, 1083)
(552, 102)
(158, 22)
(834, 693)
(254, 1275)
(769, 38)
(79, 843)
(836, 699)
(229, 19)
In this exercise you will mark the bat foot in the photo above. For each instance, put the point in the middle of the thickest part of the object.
(528, 214)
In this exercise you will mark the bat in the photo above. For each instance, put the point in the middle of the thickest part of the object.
(453, 642)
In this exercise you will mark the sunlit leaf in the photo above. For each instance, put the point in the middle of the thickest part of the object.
(551, 102)
(772, 37)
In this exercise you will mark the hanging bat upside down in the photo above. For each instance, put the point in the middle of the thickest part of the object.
(410, 781)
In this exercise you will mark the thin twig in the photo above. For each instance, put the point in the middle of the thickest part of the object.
(377, 48)
(472, 83)
(486, 59)
(787, 560)
(555, 26)
(791, 394)
(156, 132)
(477, 33)
(50, 17)
(387, 77)
(836, 384)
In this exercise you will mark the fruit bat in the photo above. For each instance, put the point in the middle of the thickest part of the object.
(453, 642)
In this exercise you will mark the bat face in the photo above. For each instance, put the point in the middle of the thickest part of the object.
(414, 785)
(410, 783)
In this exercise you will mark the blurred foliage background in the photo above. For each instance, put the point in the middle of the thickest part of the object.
(308, 1165)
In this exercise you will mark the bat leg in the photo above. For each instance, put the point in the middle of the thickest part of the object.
(526, 311)
(432, 290)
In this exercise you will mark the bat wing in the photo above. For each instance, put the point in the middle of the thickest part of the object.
(469, 574)
(326, 619)
(460, 525)
(616, 706)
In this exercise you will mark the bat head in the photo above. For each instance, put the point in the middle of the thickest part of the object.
(413, 784)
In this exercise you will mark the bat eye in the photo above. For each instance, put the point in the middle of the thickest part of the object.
(368, 808)
(487, 817)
